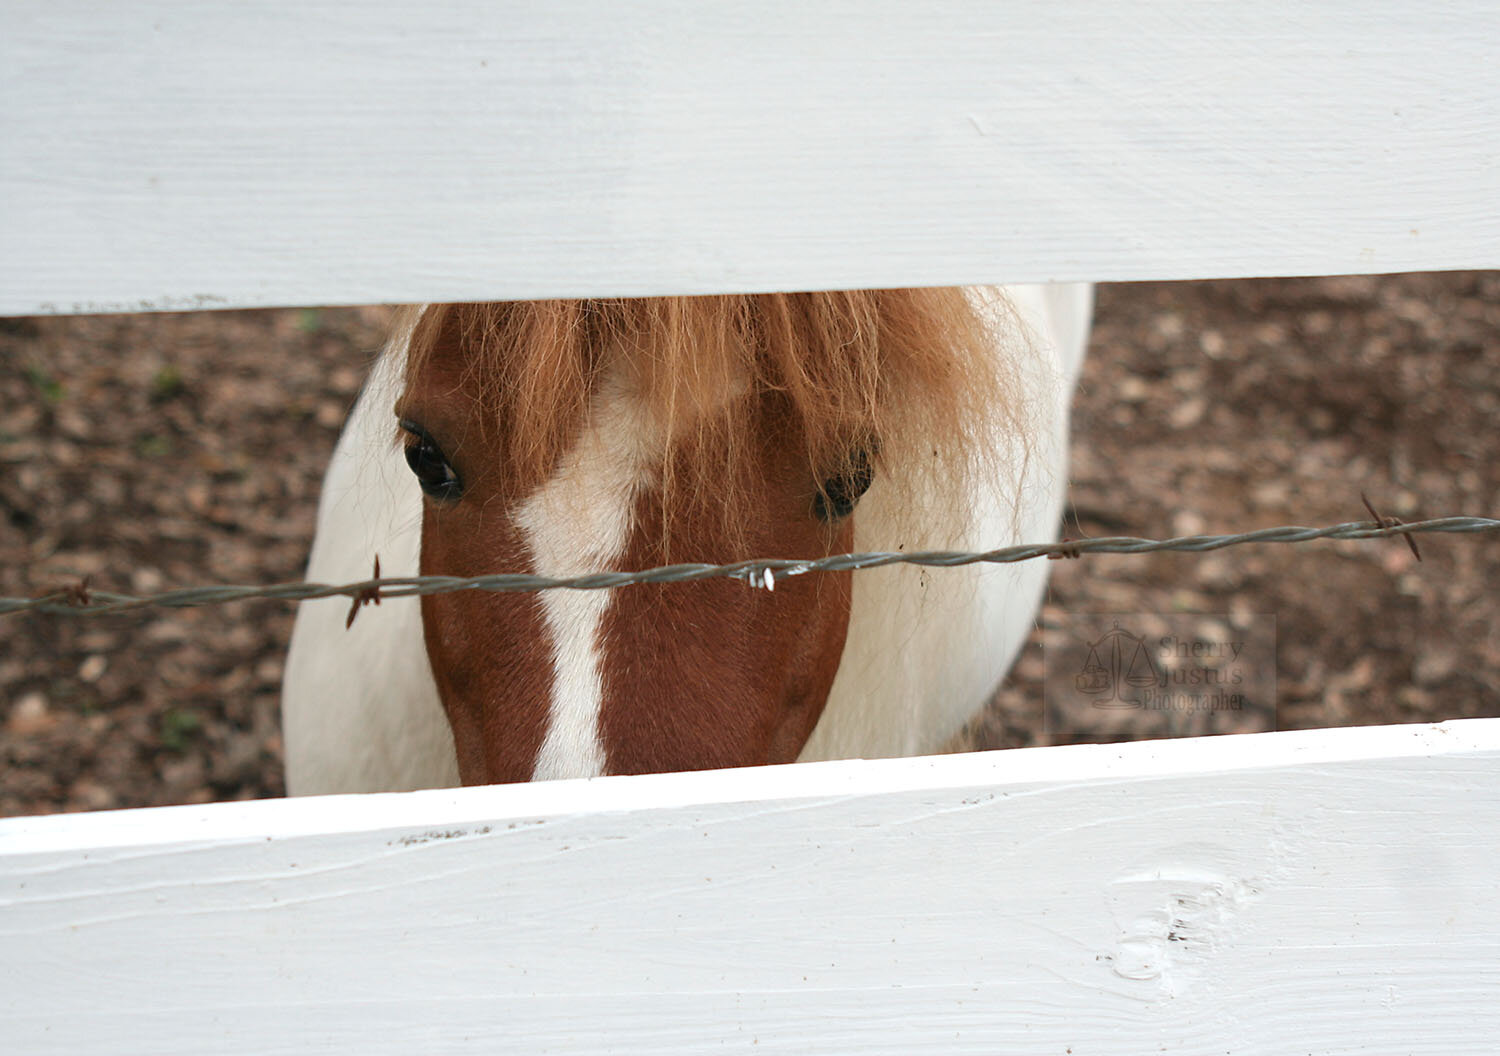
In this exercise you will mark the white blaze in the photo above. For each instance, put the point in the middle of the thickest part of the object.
(578, 522)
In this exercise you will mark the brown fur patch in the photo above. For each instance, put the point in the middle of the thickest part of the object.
(490, 653)
(718, 673)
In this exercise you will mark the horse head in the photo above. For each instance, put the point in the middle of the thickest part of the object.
(565, 437)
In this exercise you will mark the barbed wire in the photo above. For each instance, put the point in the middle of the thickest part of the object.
(79, 600)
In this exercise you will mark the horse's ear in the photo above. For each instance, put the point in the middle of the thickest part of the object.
(837, 496)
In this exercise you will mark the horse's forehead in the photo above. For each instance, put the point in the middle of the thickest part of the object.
(591, 492)
(623, 419)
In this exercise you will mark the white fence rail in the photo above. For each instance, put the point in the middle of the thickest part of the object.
(1327, 892)
(166, 155)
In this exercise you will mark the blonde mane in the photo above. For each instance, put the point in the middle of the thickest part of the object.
(911, 379)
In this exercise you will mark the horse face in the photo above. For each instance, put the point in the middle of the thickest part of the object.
(640, 679)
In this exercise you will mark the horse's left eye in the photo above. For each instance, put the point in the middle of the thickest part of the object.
(430, 465)
(835, 500)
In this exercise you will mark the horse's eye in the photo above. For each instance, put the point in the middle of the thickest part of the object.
(430, 465)
(836, 498)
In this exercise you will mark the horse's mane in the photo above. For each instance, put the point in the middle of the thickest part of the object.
(914, 379)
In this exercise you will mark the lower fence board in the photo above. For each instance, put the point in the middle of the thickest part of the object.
(1325, 891)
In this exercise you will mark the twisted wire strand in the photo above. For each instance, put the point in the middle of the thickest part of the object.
(79, 601)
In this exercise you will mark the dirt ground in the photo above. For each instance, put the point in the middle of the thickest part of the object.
(148, 452)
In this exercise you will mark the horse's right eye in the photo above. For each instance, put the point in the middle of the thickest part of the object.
(430, 465)
(837, 497)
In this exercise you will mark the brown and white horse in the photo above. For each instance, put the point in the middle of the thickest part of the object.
(562, 437)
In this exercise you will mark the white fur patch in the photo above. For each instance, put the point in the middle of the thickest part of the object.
(578, 522)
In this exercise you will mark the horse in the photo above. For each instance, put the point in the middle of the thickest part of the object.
(567, 437)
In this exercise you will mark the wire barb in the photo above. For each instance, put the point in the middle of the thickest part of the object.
(1065, 551)
(367, 595)
(81, 601)
(1391, 522)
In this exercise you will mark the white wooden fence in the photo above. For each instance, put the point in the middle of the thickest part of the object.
(1329, 891)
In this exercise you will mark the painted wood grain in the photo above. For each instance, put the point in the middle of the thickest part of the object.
(1319, 892)
(163, 155)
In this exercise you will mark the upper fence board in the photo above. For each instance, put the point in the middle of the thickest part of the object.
(165, 155)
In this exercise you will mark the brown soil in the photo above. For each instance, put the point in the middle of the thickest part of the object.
(146, 452)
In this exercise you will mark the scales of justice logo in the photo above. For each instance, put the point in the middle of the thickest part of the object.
(1118, 663)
